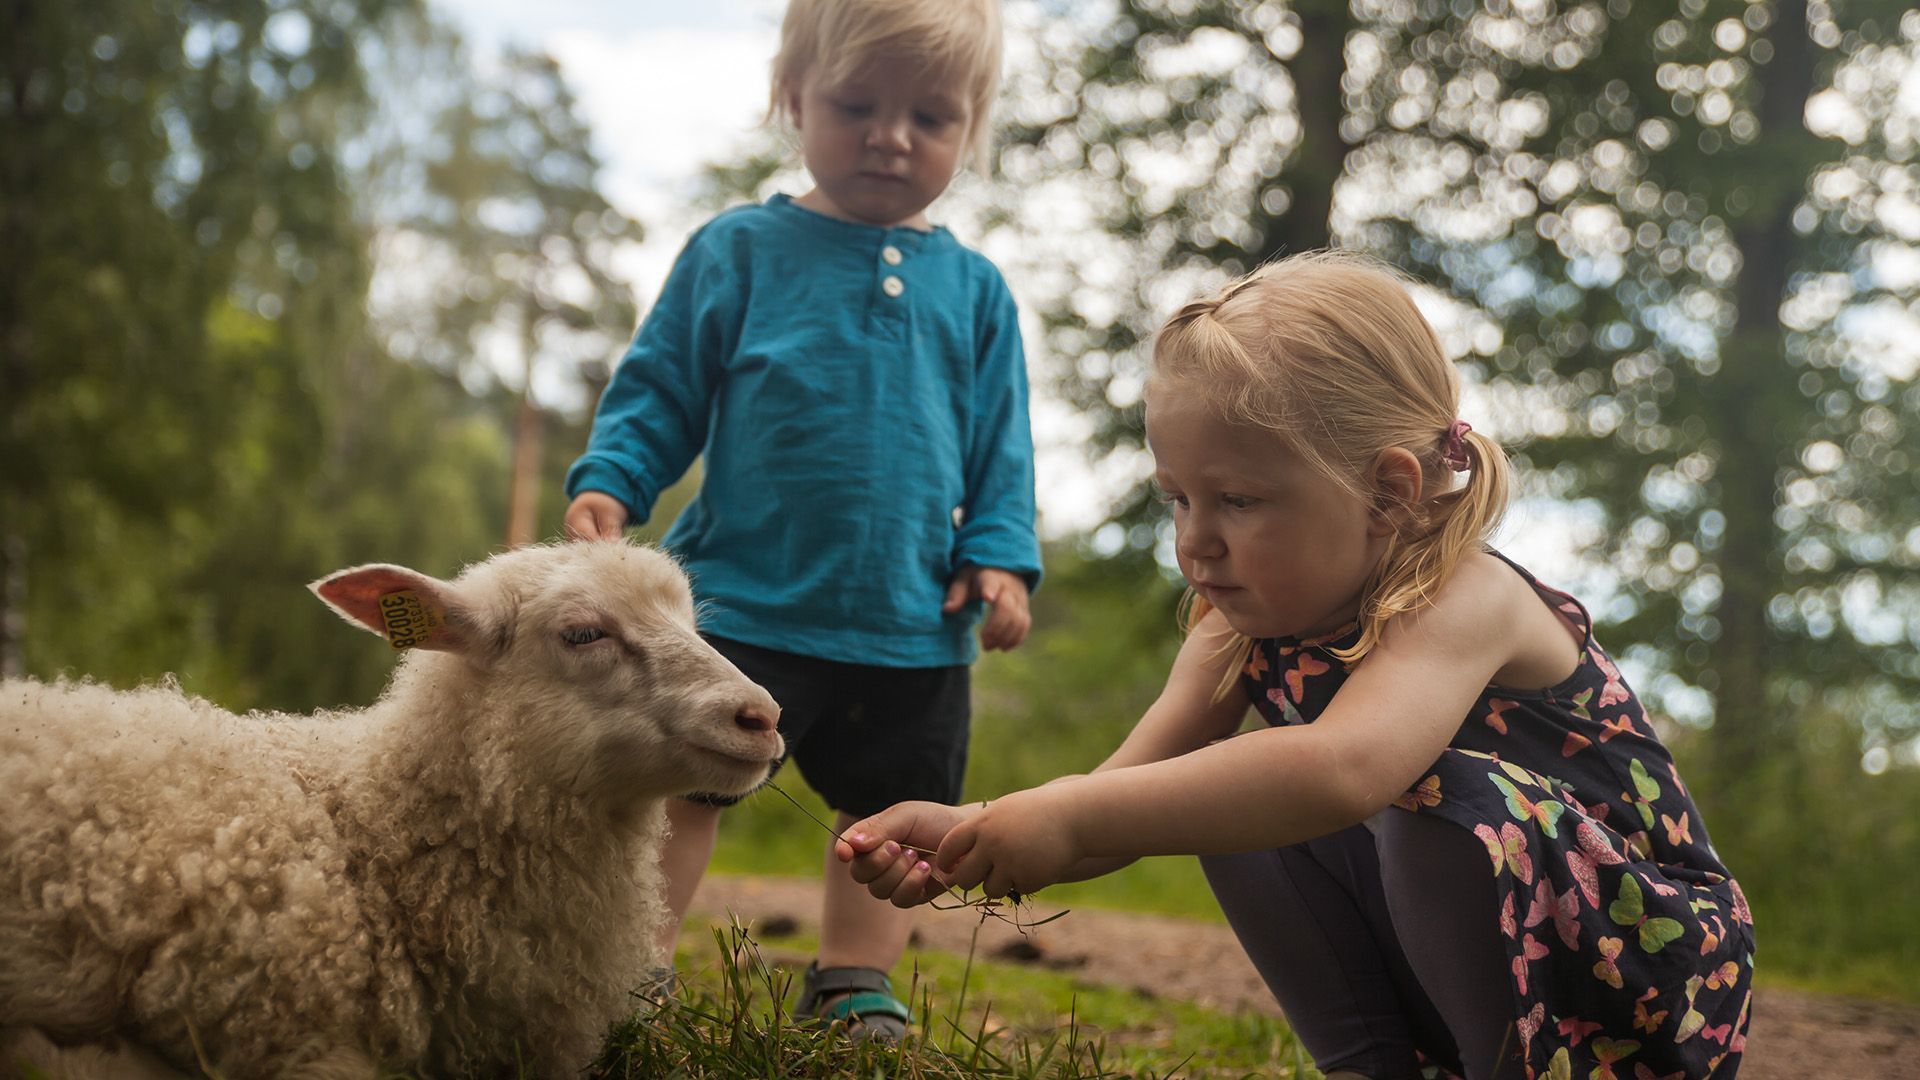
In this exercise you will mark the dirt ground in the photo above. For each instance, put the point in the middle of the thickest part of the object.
(1794, 1035)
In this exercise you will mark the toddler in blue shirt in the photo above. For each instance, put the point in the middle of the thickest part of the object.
(855, 381)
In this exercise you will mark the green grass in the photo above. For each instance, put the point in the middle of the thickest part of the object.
(974, 1019)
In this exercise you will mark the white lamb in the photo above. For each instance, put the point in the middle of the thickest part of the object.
(458, 878)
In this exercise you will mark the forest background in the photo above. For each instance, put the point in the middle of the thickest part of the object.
(278, 278)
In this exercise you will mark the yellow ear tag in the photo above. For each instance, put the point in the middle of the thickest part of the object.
(407, 621)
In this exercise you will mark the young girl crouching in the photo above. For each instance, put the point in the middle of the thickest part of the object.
(1458, 841)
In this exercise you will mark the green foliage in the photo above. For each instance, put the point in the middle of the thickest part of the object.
(200, 415)
(1829, 858)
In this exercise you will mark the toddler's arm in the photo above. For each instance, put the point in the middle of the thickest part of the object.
(652, 419)
(997, 525)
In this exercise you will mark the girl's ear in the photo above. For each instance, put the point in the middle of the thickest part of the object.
(1398, 482)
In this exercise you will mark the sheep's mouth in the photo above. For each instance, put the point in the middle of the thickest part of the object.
(737, 758)
(747, 761)
(735, 775)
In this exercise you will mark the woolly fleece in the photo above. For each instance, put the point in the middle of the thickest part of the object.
(460, 876)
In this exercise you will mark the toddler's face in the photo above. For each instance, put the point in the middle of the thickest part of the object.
(884, 144)
(1278, 547)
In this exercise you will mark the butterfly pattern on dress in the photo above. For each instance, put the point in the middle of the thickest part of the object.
(1629, 943)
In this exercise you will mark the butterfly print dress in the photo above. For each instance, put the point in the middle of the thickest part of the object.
(1631, 946)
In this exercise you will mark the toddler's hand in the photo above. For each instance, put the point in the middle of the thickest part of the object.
(888, 852)
(595, 515)
(1005, 592)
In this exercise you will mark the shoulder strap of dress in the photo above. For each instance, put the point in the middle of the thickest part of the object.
(1565, 603)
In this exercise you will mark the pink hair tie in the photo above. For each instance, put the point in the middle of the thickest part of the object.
(1453, 447)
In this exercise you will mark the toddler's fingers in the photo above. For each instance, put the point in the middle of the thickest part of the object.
(992, 588)
(958, 591)
(1003, 629)
(1016, 631)
(579, 525)
(609, 522)
(993, 633)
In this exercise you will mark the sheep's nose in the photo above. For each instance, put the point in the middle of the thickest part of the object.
(756, 719)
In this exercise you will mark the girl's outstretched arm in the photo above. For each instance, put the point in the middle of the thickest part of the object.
(890, 853)
(1387, 725)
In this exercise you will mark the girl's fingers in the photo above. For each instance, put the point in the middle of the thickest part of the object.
(954, 846)
(892, 878)
(873, 865)
(861, 837)
(998, 884)
(917, 885)
(971, 870)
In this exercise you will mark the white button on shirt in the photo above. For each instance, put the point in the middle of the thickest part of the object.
(890, 255)
(893, 286)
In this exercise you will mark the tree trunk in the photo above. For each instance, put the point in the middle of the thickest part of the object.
(1321, 158)
(13, 605)
(529, 437)
(1750, 417)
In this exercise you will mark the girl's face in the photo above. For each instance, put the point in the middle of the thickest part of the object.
(1278, 547)
(882, 145)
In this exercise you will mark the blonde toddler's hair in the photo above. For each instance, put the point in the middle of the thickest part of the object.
(832, 40)
(1327, 351)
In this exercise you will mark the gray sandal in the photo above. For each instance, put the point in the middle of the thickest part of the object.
(865, 1003)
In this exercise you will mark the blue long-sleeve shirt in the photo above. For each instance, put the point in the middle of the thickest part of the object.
(860, 396)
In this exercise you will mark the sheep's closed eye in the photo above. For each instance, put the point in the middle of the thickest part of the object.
(582, 635)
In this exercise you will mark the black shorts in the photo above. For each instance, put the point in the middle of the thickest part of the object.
(864, 737)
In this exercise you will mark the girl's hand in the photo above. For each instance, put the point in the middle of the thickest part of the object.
(595, 515)
(1005, 592)
(1017, 843)
(887, 852)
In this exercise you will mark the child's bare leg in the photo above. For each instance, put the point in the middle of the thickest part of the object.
(696, 826)
(855, 929)
(1313, 919)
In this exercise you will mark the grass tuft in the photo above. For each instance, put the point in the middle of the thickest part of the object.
(729, 1020)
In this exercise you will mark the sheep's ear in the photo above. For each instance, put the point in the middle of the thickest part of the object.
(408, 608)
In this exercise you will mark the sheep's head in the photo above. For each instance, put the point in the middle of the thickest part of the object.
(590, 650)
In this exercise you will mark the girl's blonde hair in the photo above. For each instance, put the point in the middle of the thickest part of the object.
(1327, 351)
(833, 40)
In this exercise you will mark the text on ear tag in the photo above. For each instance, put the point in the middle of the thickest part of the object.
(406, 620)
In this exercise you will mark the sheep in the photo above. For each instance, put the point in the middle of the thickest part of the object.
(461, 877)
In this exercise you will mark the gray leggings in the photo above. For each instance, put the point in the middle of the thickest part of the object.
(1378, 944)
